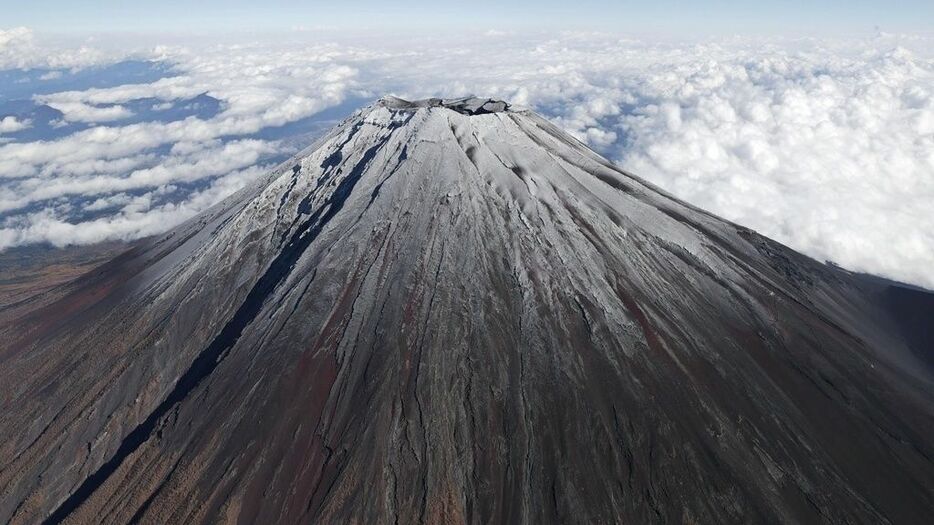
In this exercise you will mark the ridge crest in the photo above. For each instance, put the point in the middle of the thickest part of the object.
(469, 106)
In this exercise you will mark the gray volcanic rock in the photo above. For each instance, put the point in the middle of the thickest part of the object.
(451, 311)
(465, 106)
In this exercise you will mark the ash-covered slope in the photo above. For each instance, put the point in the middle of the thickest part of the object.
(450, 311)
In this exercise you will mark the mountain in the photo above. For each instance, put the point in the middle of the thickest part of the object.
(450, 311)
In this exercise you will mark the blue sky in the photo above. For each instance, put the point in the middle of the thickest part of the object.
(662, 17)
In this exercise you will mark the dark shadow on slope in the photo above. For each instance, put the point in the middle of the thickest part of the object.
(912, 310)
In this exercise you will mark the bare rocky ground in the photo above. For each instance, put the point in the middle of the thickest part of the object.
(452, 312)
(29, 271)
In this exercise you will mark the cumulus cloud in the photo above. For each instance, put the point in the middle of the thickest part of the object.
(80, 112)
(833, 158)
(203, 162)
(11, 124)
(134, 220)
(19, 49)
(51, 75)
(172, 88)
(827, 146)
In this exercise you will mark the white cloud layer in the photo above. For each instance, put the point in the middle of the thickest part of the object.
(19, 49)
(827, 146)
(838, 163)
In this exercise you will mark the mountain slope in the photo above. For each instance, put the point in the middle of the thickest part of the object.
(450, 311)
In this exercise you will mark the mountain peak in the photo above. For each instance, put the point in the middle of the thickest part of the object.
(466, 105)
(431, 316)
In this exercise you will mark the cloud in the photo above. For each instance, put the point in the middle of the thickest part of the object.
(51, 75)
(825, 145)
(13, 41)
(80, 112)
(134, 220)
(166, 89)
(11, 124)
(835, 159)
(181, 165)
(19, 50)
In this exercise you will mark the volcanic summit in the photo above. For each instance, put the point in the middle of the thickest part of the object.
(451, 311)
